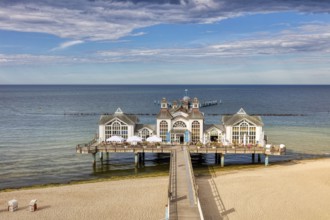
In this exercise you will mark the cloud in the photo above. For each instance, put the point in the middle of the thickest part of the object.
(95, 20)
(311, 42)
(138, 34)
(67, 44)
(30, 59)
(307, 39)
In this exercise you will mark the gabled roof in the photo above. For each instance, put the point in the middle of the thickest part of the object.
(179, 109)
(150, 126)
(240, 116)
(179, 114)
(119, 114)
(211, 126)
(164, 114)
(196, 114)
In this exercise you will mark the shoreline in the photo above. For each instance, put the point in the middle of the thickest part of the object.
(300, 187)
(199, 171)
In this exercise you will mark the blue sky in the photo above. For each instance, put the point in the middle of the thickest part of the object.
(164, 42)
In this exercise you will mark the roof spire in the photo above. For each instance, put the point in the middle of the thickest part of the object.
(241, 112)
(119, 111)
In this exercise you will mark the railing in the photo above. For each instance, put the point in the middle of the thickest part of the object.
(195, 186)
(238, 149)
(172, 209)
(191, 175)
(123, 147)
(80, 146)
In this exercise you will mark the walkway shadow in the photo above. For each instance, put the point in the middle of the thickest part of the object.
(211, 202)
(178, 199)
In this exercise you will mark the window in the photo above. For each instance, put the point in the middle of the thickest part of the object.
(145, 133)
(244, 128)
(163, 129)
(195, 132)
(116, 128)
(214, 135)
(179, 124)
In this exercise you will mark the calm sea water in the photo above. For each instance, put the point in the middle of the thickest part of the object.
(38, 137)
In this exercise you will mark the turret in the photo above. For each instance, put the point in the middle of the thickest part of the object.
(195, 103)
(163, 104)
(175, 104)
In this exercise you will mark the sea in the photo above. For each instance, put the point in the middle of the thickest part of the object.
(40, 126)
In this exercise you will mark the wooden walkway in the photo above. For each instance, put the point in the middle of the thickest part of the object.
(183, 198)
(183, 195)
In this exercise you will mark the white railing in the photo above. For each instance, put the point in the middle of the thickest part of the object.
(195, 186)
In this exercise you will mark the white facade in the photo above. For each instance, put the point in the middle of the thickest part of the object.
(244, 129)
(185, 124)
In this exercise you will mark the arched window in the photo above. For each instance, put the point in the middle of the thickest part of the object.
(163, 129)
(241, 129)
(179, 124)
(214, 135)
(116, 128)
(195, 132)
(145, 133)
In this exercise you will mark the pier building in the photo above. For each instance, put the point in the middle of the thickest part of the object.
(184, 123)
(182, 131)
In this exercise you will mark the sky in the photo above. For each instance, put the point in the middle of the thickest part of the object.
(164, 42)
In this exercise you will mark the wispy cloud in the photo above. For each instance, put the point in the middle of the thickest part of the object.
(307, 39)
(67, 44)
(111, 20)
(310, 41)
(30, 59)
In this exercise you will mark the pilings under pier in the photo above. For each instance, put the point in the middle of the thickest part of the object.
(266, 160)
(94, 159)
(222, 160)
(136, 159)
(139, 159)
(103, 152)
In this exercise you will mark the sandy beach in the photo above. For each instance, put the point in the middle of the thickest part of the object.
(296, 190)
(287, 191)
(123, 199)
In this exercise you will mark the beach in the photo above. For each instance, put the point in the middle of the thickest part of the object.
(294, 190)
(143, 198)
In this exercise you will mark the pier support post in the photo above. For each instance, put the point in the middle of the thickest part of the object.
(107, 155)
(101, 156)
(216, 158)
(136, 159)
(222, 160)
(253, 158)
(259, 158)
(266, 160)
(94, 159)
(200, 157)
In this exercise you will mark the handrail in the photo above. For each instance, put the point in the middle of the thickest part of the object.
(192, 176)
(172, 184)
(195, 186)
